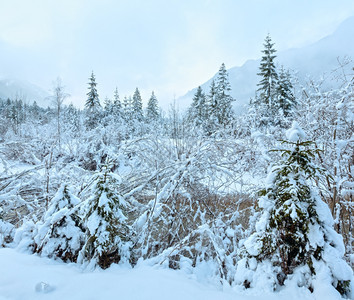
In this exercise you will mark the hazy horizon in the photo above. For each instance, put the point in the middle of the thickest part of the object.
(169, 47)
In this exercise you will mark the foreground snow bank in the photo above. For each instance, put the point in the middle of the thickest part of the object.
(22, 275)
(26, 277)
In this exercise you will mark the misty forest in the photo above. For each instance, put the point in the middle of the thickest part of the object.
(259, 198)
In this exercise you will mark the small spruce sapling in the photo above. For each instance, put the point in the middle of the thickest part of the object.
(294, 238)
(106, 222)
(60, 234)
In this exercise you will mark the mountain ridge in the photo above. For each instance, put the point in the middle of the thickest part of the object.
(13, 88)
(314, 60)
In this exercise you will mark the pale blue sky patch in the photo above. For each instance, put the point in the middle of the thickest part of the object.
(166, 46)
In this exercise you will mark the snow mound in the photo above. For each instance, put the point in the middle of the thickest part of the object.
(295, 133)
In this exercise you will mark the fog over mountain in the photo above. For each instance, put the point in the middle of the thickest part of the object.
(316, 60)
(23, 90)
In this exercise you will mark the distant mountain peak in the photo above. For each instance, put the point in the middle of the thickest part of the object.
(346, 26)
(19, 89)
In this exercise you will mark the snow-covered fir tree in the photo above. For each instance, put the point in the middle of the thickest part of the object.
(127, 108)
(211, 104)
(294, 239)
(222, 109)
(264, 104)
(285, 99)
(117, 106)
(137, 106)
(72, 122)
(92, 105)
(152, 110)
(198, 111)
(107, 113)
(268, 73)
(108, 106)
(107, 233)
(60, 234)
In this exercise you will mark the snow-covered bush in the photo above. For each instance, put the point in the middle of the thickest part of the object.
(186, 202)
(294, 238)
(6, 232)
(60, 233)
(212, 245)
(328, 118)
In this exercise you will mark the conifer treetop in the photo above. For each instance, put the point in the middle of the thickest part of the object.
(93, 99)
(267, 71)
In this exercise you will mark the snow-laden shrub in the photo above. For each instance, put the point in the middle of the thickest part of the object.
(294, 238)
(60, 233)
(212, 245)
(7, 231)
(20, 151)
(23, 238)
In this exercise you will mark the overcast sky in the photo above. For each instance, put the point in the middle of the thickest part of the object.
(166, 46)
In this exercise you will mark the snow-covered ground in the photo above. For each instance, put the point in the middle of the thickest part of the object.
(25, 277)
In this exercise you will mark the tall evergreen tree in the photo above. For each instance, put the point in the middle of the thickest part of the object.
(92, 105)
(137, 106)
(268, 74)
(152, 110)
(92, 96)
(222, 108)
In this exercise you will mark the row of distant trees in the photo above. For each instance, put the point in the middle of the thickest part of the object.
(273, 103)
(131, 108)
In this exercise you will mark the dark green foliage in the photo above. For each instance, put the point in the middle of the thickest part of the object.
(274, 102)
(288, 229)
(295, 229)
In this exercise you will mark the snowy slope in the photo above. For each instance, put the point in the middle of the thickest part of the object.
(313, 60)
(26, 91)
(21, 278)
